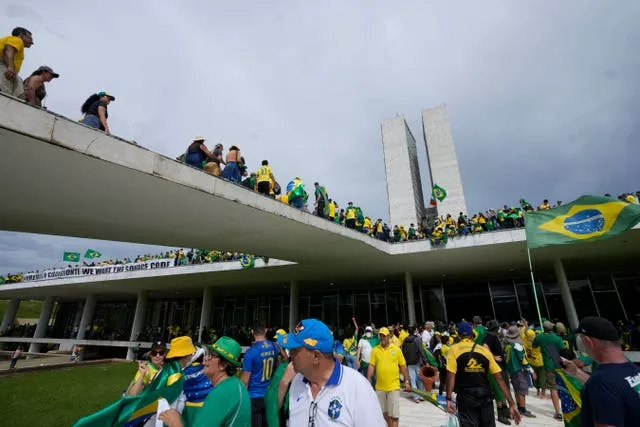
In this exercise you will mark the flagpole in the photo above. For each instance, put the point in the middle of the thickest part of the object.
(533, 285)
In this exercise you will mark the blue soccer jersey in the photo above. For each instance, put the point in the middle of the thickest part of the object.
(260, 359)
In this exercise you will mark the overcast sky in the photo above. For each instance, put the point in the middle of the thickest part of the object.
(543, 97)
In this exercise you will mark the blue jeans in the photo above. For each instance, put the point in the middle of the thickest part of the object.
(415, 381)
(350, 361)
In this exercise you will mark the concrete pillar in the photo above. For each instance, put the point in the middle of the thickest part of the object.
(138, 321)
(87, 316)
(567, 299)
(293, 305)
(205, 314)
(411, 307)
(9, 315)
(43, 323)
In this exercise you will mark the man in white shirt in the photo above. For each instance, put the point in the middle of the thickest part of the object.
(427, 334)
(363, 355)
(323, 392)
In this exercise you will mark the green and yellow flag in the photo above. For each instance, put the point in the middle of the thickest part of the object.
(132, 411)
(92, 254)
(585, 219)
(71, 256)
(569, 392)
(439, 193)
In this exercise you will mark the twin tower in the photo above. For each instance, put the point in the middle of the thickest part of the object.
(404, 185)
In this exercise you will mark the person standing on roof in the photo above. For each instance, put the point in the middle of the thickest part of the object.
(12, 50)
(34, 87)
(265, 179)
(95, 111)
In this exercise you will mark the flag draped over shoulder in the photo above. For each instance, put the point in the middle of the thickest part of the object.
(569, 391)
(71, 256)
(295, 189)
(131, 411)
(585, 219)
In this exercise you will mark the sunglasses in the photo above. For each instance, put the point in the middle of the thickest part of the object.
(157, 353)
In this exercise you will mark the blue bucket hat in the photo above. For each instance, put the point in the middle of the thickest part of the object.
(311, 334)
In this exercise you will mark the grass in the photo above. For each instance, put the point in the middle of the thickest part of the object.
(27, 309)
(61, 396)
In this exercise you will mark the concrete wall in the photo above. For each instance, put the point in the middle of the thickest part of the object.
(443, 162)
(404, 188)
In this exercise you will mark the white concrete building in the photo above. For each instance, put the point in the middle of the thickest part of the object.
(404, 186)
(443, 161)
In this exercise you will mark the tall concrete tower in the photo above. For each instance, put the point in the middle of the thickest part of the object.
(404, 188)
(443, 162)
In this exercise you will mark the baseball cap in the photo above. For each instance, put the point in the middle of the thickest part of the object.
(311, 334)
(47, 69)
(384, 331)
(103, 93)
(368, 329)
(599, 328)
(465, 329)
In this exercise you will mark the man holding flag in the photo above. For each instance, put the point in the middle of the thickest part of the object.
(611, 396)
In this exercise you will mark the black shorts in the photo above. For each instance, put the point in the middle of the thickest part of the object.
(264, 187)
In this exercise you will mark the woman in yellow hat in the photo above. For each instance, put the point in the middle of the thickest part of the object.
(228, 404)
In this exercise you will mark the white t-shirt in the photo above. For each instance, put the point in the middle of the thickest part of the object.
(365, 350)
(347, 399)
(426, 337)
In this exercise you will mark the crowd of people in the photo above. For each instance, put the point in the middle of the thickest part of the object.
(311, 377)
(180, 257)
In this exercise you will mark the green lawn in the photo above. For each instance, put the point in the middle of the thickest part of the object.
(61, 396)
(27, 309)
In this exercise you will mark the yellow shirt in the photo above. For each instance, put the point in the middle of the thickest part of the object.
(332, 210)
(534, 355)
(264, 174)
(403, 335)
(473, 368)
(379, 228)
(18, 45)
(350, 346)
(148, 376)
(387, 362)
(394, 340)
(351, 213)
(367, 223)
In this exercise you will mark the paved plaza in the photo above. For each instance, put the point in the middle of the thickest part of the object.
(425, 414)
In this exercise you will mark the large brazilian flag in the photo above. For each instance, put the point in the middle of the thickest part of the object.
(133, 411)
(569, 391)
(585, 219)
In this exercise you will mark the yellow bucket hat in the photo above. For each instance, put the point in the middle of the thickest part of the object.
(181, 347)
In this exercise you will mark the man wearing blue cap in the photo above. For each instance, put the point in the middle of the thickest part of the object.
(469, 365)
(323, 392)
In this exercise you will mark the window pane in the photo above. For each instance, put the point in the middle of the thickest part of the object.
(330, 306)
(528, 302)
(556, 308)
(468, 301)
(395, 309)
(303, 308)
(609, 306)
(379, 308)
(275, 312)
(506, 309)
(601, 282)
(361, 308)
(582, 298)
(629, 290)
(433, 300)
(502, 289)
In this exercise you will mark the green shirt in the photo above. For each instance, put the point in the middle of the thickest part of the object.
(516, 359)
(546, 341)
(227, 405)
(271, 397)
(374, 341)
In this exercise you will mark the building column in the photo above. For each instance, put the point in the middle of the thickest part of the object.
(138, 322)
(411, 307)
(155, 316)
(205, 314)
(87, 316)
(9, 315)
(567, 299)
(293, 305)
(43, 323)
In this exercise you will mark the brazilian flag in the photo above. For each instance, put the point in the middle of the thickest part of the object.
(132, 411)
(569, 392)
(585, 219)
(71, 256)
(439, 193)
(92, 254)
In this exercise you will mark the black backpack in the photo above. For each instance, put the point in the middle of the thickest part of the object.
(410, 351)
